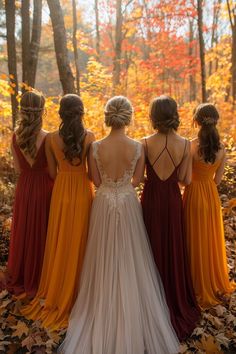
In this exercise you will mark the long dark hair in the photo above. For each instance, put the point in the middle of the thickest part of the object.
(71, 129)
(29, 123)
(206, 115)
(164, 114)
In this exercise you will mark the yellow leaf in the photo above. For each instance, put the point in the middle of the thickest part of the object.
(20, 329)
(208, 344)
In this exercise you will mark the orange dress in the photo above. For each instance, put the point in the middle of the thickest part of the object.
(205, 236)
(65, 247)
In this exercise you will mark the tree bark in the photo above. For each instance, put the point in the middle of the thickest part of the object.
(35, 42)
(11, 53)
(75, 49)
(214, 37)
(192, 82)
(59, 35)
(149, 36)
(97, 30)
(234, 63)
(202, 49)
(232, 18)
(118, 44)
(25, 38)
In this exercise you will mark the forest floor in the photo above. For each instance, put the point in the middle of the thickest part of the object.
(215, 333)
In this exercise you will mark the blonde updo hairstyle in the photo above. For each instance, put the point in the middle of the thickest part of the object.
(118, 112)
(29, 122)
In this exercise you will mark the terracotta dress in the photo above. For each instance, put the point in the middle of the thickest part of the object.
(29, 224)
(66, 240)
(205, 236)
(163, 217)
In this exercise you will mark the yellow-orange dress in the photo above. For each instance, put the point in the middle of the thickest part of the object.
(205, 236)
(65, 246)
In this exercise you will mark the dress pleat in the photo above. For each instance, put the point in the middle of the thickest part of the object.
(205, 236)
(29, 223)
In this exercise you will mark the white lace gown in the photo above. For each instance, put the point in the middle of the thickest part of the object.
(121, 307)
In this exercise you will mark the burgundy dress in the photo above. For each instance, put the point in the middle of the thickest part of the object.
(29, 223)
(163, 217)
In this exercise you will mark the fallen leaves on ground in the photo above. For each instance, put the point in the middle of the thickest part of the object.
(215, 333)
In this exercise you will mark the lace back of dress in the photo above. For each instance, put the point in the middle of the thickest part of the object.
(128, 173)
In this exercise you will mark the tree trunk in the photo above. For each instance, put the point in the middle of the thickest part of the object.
(11, 53)
(59, 34)
(25, 38)
(202, 49)
(192, 82)
(149, 36)
(232, 19)
(118, 44)
(97, 30)
(35, 42)
(234, 62)
(214, 37)
(76, 58)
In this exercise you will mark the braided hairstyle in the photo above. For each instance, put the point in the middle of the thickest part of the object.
(164, 114)
(206, 115)
(118, 112)
(71, 129)
(30, 121)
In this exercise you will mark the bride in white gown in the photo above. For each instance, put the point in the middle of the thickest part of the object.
(121, 307)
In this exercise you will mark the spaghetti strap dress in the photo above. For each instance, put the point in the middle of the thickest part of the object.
(66, 241)
(163, 216)
(205, 236)
(29, 223)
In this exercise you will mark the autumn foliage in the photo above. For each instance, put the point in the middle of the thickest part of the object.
(151, 49)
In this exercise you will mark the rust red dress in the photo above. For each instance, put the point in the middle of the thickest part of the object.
(163, 217)
(29, 223)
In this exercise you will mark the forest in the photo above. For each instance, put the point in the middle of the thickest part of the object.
(101, 48)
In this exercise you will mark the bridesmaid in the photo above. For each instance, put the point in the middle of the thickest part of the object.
(202, 212)
(72, 195)
(167, 164)
(32, 198)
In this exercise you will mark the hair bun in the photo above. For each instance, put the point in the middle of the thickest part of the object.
(164, 114)
(208, 121)
(118, 112)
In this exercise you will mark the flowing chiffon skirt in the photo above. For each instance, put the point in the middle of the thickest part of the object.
(205, 236)
(121, 307)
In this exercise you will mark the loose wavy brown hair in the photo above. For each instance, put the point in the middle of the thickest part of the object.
(164, 114)
(71, 129)
(206, 115)
(29, 122)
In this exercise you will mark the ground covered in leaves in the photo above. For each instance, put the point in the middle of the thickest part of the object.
(216, 332)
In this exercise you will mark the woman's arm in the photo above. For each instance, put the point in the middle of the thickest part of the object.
(220, 170)
(138, 175)
(185, 169)
(93, 171)
(15, 160)
(52, 163)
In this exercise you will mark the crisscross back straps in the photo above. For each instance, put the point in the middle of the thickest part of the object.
(159, 155)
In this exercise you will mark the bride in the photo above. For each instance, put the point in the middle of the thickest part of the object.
(121, 307)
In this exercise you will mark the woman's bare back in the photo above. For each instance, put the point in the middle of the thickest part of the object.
(116, 154)
(165, 153)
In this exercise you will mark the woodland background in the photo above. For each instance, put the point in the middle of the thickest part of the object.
(138, 48)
